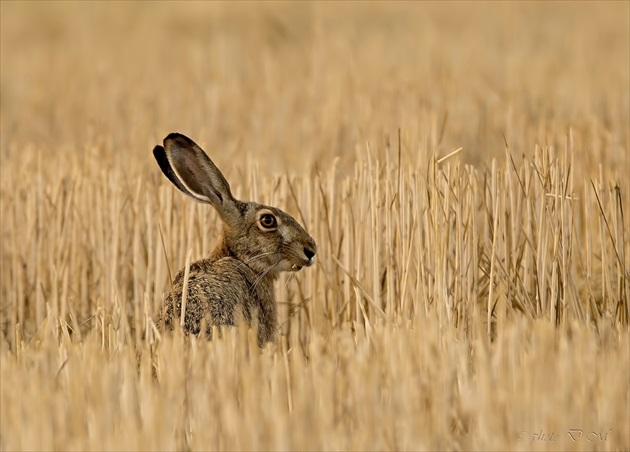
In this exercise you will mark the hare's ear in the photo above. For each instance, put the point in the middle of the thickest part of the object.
(189, 168)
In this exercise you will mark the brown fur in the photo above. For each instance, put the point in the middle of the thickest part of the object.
(237, 280)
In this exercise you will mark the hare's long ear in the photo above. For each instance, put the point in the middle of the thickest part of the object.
(189, 168)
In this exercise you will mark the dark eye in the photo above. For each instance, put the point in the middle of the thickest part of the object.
(268, 221)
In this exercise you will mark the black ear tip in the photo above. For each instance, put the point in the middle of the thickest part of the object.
(173, 136)
(160, 156)
(158, 152)
(178, 137)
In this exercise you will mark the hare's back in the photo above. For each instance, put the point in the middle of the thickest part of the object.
(217, 291)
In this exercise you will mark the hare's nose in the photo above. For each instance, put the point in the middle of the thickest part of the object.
(309, 252)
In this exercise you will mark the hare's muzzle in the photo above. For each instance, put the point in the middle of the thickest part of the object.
(308, 256)
(309, 252)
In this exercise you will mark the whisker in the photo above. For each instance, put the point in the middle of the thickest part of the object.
(259, 256)
(263, 274)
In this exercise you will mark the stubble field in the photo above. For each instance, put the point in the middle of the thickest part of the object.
(463, 167)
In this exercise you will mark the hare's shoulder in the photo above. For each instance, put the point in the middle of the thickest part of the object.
(225, 281)
(225, 270)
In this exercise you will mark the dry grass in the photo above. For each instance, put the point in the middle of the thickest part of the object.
(462, 300)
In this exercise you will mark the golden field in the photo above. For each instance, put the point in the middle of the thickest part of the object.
(463, 167)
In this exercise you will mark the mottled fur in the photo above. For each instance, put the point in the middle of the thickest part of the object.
(237, 280)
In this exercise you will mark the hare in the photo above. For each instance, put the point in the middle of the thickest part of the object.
(236, 282)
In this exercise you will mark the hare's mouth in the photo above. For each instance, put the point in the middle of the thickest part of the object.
(298, 267)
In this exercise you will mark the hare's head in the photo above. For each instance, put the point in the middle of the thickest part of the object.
(265, 238)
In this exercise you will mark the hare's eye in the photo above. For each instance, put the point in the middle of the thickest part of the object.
(268, 221)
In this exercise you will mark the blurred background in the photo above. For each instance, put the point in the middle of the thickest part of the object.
(504, 283)
(292, 84)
